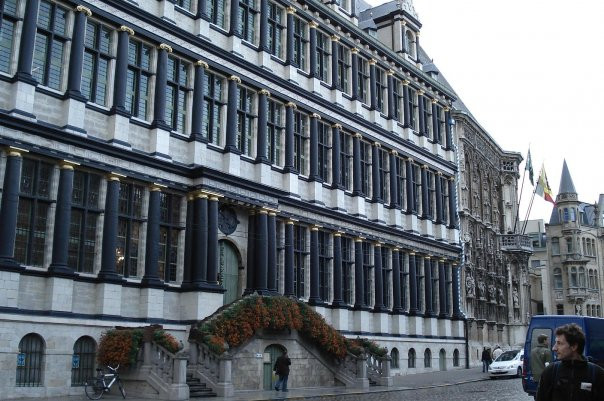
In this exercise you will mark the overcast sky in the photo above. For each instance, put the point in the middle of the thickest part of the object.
(532, 73)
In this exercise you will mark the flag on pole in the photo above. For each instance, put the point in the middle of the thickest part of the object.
(529, 167)
(543, 189)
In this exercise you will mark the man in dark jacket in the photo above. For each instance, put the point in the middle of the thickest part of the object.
(486, 359)
(572, 377)
(541, 356)
(282, 369)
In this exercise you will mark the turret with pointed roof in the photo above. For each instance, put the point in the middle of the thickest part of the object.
(566, 183)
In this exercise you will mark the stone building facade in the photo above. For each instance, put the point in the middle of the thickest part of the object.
(495, 256)
(572, 282)
(163, 158)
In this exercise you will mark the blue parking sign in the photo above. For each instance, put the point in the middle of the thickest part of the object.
(75, 361)
(21, 359)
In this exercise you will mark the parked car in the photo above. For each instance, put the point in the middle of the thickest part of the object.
(593, 328)
(507, 364)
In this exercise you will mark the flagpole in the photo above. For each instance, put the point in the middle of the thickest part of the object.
(528, 160)
(528, 211)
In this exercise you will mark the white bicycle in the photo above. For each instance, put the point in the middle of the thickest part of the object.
(97, 386)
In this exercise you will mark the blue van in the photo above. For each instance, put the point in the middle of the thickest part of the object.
(593, 328)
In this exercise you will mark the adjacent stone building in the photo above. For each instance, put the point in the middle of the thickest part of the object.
(163, 158)
(572, 282)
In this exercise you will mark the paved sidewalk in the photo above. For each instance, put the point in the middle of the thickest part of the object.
(401, 383)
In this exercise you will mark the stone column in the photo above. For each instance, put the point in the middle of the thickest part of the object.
(394, 192)
(261, 148)
(357, 187)
(435, 126)
(378, 279)
(212, 244)
(288, 274)
(290, 35)
(27, 43)
(234, 18)
(442, 293)
(9, 208)
(354, 82)
(448, 137)
(417, 46)
(200, 247)
(314, 147)
(314, 298)
(197, 107)
(60, 241)
(428, 286)
(412, 284)
(74, 78)
(121, 71)
(391, 108)
(338, 300)
(453, 222)
(288, 165)
(439, 198)
(272, 252)
(372, 84)
(188, 266)
(396, 281)
(455, 273)
(108, 258)
(406, 109)
(334, 61)
(231, 123)
(151, 277)
(425, 193)
(359, 285)
(261, 251)
(411, 206)
(336, 171)
(312, 38)
(202, 9)
(251, 248)
(421, 112)
(263, 43)
(404, 48)
(375, 173)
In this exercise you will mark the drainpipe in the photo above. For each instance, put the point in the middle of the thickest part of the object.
(465, 334)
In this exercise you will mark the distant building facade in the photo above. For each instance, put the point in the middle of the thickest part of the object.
(495, 256)
(538, 265)
(572, 282)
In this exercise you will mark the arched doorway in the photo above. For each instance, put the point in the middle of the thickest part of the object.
(271, 353)
(229, 270)
(442, 359)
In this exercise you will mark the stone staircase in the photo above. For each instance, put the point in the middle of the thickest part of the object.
(197, 389)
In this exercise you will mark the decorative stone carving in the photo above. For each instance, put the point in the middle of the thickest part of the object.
(491, 290)
(470, 286)
(515, 300)
(500, 296)
(227, 220)
(481, 289)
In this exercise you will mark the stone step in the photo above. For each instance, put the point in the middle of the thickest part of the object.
(197, 389)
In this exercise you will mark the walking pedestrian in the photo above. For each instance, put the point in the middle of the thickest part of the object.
(572, 377)
(498, 351)
(282, 369)
(541, 356)
(486, 359)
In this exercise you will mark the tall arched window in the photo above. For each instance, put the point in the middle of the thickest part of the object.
(592, 278)
(411, 358)
(555, 246)
(456, 357)
(557, 278)
(566, 215)
(582, 277)
(427, 358)
(573, 214)
(82, 360)
(584, 246)
(569, 245)
(410, 44)
(572, 277)
(30, 361)
(394, 358)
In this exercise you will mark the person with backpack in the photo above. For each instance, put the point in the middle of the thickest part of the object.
(572, 377)
(282, 369)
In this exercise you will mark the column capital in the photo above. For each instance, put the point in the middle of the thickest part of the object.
(396, 249)
(447, 108)
(290, 10)
(394, 152)
(292, 105)
(337, 233)
(84, 10)
(263, 211)
(416, 33)
(357, 135)
(272, 213)
(313, 25)
(359, 239)
(337, 126)
(315, 227)
(155, 187)
(315, 115)
(235, 78)
(264, 92)
(166, 47)
(378, 244)
(406, 82)
(201, 195)
(114, 177)
(409, 159)
(372, 61)
(13, 151)
(124, 28)
(451, 178)
(411, 253)
(390, 72)
(420, 92)
(377, 144)
(427, 257)
(335, 38)
(354, 50)
(202, 64)
(439, 173)
(424, 166)
(441, 260)
(454, 264)
(291, 221)
(434, 101)
(190, 196)
(68, 165)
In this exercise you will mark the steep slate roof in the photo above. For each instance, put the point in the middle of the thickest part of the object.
(566, 182)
